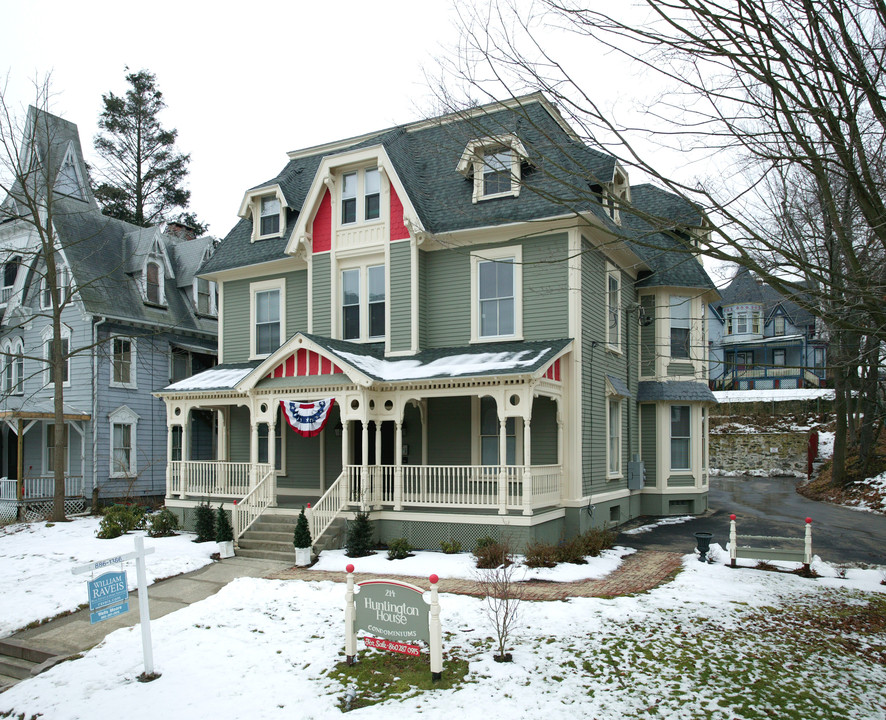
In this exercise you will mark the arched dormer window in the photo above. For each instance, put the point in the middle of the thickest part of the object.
(13, 367)
(496, 166)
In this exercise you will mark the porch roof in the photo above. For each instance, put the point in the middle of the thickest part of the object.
(220, 377)
(675, 390)
(478, 360)
(43, 411)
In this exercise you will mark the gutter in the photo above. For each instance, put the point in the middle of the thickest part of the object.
(95, 325)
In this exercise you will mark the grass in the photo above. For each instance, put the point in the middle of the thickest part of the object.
(379, 676)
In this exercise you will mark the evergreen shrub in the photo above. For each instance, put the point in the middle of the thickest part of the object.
(399, 548)
(361, 535)
(301, 538)
(540, 555)
(117, 520)
(223, 530)
(204, 523)
(450, 547)
(162, 523)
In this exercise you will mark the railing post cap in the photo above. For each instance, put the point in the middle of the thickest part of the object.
(808, 521)
(732, 517)
(434, 579)
(350, 568)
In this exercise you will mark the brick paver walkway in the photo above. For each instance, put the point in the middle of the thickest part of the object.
(638, 573)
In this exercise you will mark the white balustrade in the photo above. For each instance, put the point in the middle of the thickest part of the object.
(221, 479)
(248, 510)
(322, 514)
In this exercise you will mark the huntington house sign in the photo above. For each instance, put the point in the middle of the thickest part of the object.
(393, 616)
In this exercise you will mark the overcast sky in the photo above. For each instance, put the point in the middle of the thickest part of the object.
(246, 83)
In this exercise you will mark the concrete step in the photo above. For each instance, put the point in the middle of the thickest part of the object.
(17, 649)
(334, 538)
(274, 527)
(267, 536)
(287, 557)
(7, 682)
(16, 667)
(258, 544)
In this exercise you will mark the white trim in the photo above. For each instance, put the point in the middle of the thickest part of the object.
(613, 343)
(251, 206)
(362, 265)
(123, 415)
(495, 254)
(133, 382)
(263, 286)
(618, 472)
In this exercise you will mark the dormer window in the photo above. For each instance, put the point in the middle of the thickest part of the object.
(496, 166)
(270, 216)
(153, 290)
(205, 296)
(351, 192)
(62, 282)
(10, 272)
(616, 195)
(67, 181)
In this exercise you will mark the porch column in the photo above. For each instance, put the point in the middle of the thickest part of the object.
(502, 468)
(186, 452)
(169, 432)
(272, 456)
(398, 465)
(560, 444)
(378, 481)
(221, 449)
(527, 471)
(253, 453)
(364, 466)
(345, 442)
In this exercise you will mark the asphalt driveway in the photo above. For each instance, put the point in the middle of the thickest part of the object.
(771, 506)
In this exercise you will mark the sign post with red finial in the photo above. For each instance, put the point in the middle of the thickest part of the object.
(733, 541)
(807, 545)
(436, 642)
(350, 619)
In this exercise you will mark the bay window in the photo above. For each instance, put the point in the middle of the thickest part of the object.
(680, 326)
(681, 431)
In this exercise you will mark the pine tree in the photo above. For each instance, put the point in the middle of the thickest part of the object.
(223, 530)
(144, 172)
(301, 538)
(360, 536)
(204, 523)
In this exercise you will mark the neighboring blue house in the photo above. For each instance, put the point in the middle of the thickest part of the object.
(134, 307)
(763, 340)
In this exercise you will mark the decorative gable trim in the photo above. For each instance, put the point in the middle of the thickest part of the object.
(304, 363)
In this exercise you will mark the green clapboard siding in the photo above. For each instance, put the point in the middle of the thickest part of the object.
(449, 431)
(448, 297)
(320, 289)
(422, 300)
(400, 298)
(238, 323)
(544, 432)
(545, 288)
(681, 481)
(302, 460)
(675, 369)
(647, 337)
(647, 449)
(239, 434)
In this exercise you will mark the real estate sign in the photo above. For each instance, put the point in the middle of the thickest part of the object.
(108, 596)
(392, 610)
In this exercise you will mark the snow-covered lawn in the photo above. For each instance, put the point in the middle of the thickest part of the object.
(714, 643)
(36, 562)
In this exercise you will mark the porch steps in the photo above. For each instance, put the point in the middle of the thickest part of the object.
(334, 537)
(270, 538)
(18, 662)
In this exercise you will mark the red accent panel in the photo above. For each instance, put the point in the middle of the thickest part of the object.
(322, 226)
(313, 363)
(336, 368)
(290, 366)
(325, 366)
(302, 362)
(557, 369)
(398, 229)
(278, 371)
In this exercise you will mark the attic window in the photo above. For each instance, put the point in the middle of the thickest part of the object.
(68, 180)
(152, 283)
(616, 195)
(270, 216)
(496, 166)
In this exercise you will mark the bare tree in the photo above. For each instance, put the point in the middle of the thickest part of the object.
(502, 593)
(786, 98)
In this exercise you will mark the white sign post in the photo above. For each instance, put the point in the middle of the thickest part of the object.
(142, 577)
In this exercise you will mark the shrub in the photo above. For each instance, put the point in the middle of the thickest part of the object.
(398, 549)
(541, 554)
(451, 547)
(163, 523)
(117, 520)
(223, 530)
(572, 551)
(598, 539)
(492, 555)
(204, 523)
(482, 542)
(301, 538)
(360, 536)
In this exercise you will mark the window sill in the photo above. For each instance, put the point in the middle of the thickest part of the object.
(614, 350)
(496, 338)
(158, 306)
(612, 478)
(272, 236)
(123, 386)
(122, 475)
(497, 196)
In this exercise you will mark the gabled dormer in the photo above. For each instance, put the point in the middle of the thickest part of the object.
(149, 264)
(616, 193)
(496, 166)
(266, 206)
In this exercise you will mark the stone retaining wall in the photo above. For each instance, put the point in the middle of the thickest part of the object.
(769, 454)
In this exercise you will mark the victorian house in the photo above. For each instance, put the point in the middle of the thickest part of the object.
(418, 323)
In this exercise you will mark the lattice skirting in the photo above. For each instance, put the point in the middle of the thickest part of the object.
(38, 509)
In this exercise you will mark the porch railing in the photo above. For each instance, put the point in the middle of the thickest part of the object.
(324, 512)
(250, 508)
(220, 479)
(40, 488)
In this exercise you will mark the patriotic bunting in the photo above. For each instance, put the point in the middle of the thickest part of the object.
(307, 418)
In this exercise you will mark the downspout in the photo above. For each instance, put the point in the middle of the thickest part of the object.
(95, 412)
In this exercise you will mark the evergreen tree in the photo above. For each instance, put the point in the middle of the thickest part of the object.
(144, 173)
(204, 523)
(223, 530)
(360, 536)
(301, 538)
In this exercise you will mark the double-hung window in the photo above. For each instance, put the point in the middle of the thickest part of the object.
(122, 450)
(66, 360)
(496, 291)
(270, 216)
(778, 325)
(614, 436)
(778, 358)
(152, 283)
(680, 326)
(206, 296)
(681, 431)
(122, 367)
(613, 307)
(496, 173)
(741, 323)
(267, 321)
(354, 185)
(54, 437)
(363, 299)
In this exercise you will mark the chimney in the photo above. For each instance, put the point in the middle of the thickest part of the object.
(180, 230)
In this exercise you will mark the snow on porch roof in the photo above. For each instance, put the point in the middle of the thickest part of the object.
(220, 377)
(486, 359)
